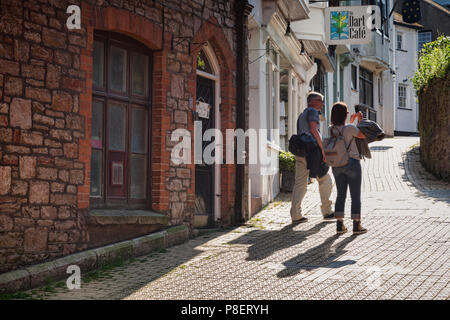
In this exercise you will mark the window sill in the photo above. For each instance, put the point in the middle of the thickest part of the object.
(407, 109)
(274, 146)
(118, 216)
(402, 50)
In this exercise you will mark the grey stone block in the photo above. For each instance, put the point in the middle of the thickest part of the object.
(14, 281)
(114, 252)
(177, 235)
(57, 269)
(149, 243)
(41, 273)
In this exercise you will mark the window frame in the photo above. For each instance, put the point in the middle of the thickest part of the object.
(380, 90)
(354, 82)
(131, 101)
(427, 32)
(400, 36)
(272, 86)
(362, 88)
(405, 97)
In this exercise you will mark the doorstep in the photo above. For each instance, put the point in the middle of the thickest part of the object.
(107, 226)
(108, 217)
(37, 275)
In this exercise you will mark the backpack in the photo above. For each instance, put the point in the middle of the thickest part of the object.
(336, 152)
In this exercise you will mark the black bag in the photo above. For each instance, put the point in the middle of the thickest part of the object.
(296, 146)
(300, 145)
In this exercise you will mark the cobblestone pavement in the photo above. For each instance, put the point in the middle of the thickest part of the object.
(405, 254)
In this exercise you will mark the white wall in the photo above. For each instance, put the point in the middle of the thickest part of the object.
(406, 60)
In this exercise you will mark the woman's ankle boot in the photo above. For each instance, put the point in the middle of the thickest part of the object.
(357, 228)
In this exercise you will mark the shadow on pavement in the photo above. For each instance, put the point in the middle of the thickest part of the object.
(380, 148)
(427, 185)
(265, 243)
(321, 256)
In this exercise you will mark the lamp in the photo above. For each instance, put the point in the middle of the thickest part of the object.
(288, 29)
(302, 51)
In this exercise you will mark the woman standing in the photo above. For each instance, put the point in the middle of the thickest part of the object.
(348, 176)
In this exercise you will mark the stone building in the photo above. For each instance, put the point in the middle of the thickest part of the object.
(87, 116)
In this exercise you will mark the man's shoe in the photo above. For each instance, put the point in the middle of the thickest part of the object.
(301, 220)
(329, 216)
(340, 228)
(357, 228)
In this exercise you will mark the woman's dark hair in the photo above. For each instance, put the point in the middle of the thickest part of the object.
(339, 113)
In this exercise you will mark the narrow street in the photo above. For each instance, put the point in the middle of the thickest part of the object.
(404, 255)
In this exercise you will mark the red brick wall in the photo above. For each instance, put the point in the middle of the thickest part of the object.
(45, 114)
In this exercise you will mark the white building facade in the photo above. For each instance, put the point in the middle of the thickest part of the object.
(278, 83)
(406, 106)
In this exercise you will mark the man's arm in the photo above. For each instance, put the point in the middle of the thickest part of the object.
(360, 135)
(313, 127)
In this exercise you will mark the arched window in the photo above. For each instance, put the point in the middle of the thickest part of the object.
(121, 114)
(203, 63)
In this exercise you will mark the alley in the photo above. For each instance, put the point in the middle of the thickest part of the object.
(405, 254)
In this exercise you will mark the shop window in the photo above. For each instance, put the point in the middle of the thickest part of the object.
(120, 124)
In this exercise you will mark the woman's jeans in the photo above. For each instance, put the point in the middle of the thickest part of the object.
(349, 175)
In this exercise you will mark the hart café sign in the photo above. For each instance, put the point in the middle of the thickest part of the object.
(351, 25)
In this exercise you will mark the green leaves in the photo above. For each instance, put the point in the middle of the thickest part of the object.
(287, 161)
(434, 62)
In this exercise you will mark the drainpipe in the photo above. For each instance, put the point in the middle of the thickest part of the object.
(242, 9)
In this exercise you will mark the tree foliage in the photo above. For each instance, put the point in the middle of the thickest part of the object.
(434, 62)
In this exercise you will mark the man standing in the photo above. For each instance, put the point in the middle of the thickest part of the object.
(308, 123)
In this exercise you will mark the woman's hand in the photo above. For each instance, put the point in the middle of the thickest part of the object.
(357, 115)
(360, 115)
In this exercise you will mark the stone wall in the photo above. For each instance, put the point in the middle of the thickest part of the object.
(434, 127)
(45, 113)
(40, 129)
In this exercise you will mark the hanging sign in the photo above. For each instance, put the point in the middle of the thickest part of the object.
(203, 109)
(351, 25)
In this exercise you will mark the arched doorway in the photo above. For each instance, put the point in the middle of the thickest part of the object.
(207, 176)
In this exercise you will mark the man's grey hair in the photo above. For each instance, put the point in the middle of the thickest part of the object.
(313, 95)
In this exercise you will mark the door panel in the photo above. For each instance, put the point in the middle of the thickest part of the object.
(117, 138)
(204, 174)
